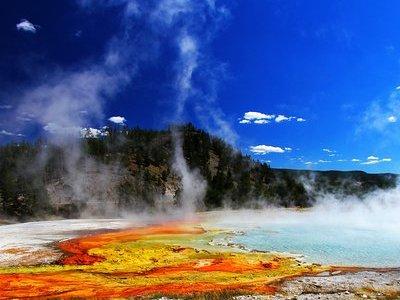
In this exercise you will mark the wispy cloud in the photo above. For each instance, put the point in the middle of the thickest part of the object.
(320, 161)
(8, 133)
(323, 161)
(56, 104)
(371, 160)
(25, 25)
(260, 118)
(184, 26)
(376, 161)
(381, 115)
(62, 131)
(327, 150)
(5, 132)
(195, 24)
(5, 106)
(23, 119)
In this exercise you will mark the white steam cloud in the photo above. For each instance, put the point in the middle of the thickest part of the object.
(68, 102)
(378, 210)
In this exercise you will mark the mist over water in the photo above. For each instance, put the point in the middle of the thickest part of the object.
(350, 231)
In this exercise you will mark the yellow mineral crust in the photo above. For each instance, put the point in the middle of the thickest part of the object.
(175, 261)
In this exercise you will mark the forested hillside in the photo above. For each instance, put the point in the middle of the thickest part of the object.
(130, 169)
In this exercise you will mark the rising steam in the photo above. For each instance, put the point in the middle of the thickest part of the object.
(378, 210)
(193, 185)
(65, 101)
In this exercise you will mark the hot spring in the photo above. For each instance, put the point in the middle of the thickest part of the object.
(351, 232)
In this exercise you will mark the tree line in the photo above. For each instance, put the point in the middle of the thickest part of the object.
(144, 174)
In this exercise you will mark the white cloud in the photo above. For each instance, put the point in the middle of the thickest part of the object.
(372, 157)
(356, 160)
(342, 160)
(392, 119)
(254, 115)
(5, 106)
(322, 161)
(281, 118)
(265, 149)
(262, 121)
(262, 118)
(27, 26)
(117, 120)
(310, 163)
(288, 149)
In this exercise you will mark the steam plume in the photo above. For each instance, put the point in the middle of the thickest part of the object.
(63, 102)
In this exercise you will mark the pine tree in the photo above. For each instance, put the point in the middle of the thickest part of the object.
(1, 204)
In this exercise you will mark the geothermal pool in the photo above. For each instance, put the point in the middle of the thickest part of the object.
(143, 257)
(326, 245)
(331, 241)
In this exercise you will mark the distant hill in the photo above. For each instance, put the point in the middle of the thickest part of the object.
(130, 170)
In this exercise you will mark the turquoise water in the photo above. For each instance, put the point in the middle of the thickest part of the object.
(352, 233)
(327, 244)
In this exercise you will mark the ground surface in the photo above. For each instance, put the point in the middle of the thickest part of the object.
(172, 259)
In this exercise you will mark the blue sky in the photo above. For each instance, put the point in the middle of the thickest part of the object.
(300, 84)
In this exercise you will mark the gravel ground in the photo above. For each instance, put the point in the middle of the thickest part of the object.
(339, 285)
(325, 286)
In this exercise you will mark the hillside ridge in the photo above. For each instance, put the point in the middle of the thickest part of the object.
(129, 169)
